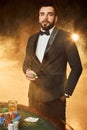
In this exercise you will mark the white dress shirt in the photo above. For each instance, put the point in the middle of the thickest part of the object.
(42, 44)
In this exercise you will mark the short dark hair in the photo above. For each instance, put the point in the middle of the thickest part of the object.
(45, 4)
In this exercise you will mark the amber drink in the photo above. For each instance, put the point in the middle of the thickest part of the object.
(12, 104)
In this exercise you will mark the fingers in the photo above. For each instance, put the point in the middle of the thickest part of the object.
(31, 75)
(63, 98)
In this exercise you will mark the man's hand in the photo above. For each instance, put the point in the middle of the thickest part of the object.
(31, 75)
(63, 98)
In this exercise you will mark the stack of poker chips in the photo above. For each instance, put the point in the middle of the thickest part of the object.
(13, 126)
(10, 126)
(2, 119)
(10, 119)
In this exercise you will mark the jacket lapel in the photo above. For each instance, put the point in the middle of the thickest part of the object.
(50, 50)
(51, 39)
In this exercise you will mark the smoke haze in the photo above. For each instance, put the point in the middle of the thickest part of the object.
(18, 20)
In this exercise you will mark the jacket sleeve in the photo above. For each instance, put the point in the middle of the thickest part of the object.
(74, 61)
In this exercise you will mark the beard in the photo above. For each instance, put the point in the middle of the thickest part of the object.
(46, 25)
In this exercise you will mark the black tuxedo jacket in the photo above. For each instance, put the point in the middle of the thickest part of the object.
(52, 81)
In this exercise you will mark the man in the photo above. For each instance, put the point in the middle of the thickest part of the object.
(47, 55)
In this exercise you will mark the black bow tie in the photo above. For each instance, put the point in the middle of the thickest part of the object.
(44, 32)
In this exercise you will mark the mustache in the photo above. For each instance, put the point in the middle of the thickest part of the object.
(45, 21)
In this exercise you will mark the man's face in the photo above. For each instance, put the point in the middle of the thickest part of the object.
(47, 17)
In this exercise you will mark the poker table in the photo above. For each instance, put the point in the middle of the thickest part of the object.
(44, 122)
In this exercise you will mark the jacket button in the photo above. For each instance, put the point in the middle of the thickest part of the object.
(41, 69)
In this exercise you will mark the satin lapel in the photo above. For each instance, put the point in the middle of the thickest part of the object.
(50, 51)
(51, 39)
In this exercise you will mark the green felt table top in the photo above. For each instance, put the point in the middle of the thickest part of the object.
(44, 122)
(41, 124)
